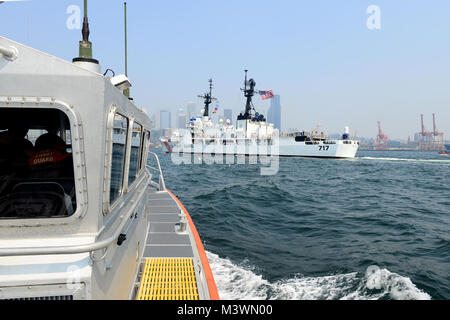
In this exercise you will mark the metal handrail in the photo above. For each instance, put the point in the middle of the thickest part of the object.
(162, 185)
(90, 247)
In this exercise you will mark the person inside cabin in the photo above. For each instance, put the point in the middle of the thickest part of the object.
(51, 163)
(51, 157)
(35, 181)
(14, 145)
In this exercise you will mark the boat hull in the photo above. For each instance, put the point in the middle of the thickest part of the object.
(336, 149)
(285, 148)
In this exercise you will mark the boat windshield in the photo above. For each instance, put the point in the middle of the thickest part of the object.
(36, 166)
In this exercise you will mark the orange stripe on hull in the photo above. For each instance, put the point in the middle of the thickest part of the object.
(213, 293)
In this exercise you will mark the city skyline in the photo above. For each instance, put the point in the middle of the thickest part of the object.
(183, 113)
(321, 57)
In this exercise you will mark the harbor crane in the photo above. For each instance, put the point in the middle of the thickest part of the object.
(382, 139)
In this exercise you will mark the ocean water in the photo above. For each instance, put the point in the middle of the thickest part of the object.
(374, 227)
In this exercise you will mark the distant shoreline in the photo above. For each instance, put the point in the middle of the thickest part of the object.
(396, 149)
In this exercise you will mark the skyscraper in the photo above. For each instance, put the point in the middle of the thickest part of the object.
(191, 110)
(274, 112)
(228, 114)
(165, 123)
(165, 119)
(181, 119)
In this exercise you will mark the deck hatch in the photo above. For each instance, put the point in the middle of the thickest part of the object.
(168, 279)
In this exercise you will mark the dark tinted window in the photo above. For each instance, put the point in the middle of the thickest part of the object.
(120, 132)
(36, 165)
(135, 154)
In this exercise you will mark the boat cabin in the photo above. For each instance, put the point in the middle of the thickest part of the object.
(73, 151)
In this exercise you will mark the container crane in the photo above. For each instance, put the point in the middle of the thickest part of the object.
(382, 139)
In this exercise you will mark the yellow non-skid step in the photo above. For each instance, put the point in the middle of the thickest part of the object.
(168, 279)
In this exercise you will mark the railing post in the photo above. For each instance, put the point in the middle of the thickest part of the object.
(162, 184)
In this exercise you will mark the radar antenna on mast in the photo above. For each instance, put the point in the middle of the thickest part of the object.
(208, 99)
(249, 92)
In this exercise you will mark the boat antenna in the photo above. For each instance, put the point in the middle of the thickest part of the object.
(208, 98)
(85, 46)
(126, 92)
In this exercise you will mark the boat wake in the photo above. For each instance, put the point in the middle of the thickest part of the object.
(406, 160)
(236, 282)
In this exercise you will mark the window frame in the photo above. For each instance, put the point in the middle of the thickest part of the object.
(139, 169)
(78, 159)
(108, 205)
(146, 148)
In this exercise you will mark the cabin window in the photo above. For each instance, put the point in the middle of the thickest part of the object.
(135, 153)
(120, 132)
(145, 148)
(36, 165)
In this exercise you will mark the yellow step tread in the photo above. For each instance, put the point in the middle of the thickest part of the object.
(168, 279)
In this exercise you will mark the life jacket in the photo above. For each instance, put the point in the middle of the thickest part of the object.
(49, 156)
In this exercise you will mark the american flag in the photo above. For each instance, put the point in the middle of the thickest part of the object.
(268, 94)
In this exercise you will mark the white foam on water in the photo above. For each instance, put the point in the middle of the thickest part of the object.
(236, 282)
(407, 160)
(380, 283)
(314, 288)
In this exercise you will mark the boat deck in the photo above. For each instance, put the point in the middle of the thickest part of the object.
(163, 240)
(168, 268)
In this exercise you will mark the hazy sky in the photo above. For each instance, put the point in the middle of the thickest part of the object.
(319, 55)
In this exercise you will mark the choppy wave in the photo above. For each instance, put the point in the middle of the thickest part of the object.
(312, 230)
(240, 282)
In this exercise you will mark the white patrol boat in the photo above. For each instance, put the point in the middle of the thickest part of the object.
(80, 216)
(253, 136)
